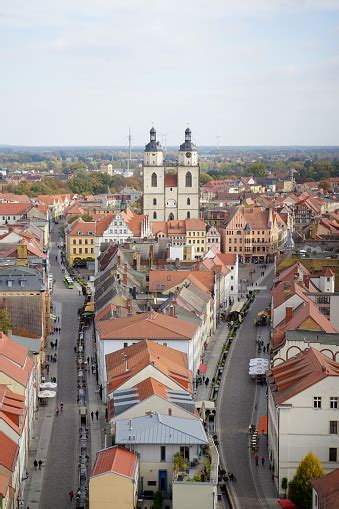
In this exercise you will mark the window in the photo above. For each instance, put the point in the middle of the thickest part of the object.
(154, 201)
(74, 241)
(151, 483)
(317, 402)
(125, 345)
(188, 201)
(154, 179)
(333, 402)
(188, 179)
(171, 217)
(80, 241)
(333, 427)
(188, 215)
(86, 250)
(74, 250)
(154, 215)
(80, 250)
(162, 453)
(86, 241)
(332, 454)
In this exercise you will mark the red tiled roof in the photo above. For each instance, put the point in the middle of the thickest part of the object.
(149, 387)
(81, 227)
(146, 326)
(12, 350)
(10, 209)
(171, 278)
(8, 452)
(168, 361)
(300, 372)
(117, 460)
(327, 488)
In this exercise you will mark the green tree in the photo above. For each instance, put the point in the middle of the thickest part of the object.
(300, 491)
(325, 185)
(204, 178)
(256, 169)
(5, 323)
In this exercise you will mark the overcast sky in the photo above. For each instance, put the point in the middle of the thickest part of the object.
(251, 72)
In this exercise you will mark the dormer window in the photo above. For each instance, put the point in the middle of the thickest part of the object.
(79, 233)
(9, 283)
(90, 232)
(22, 282)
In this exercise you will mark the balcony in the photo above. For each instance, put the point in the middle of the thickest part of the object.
(203, 468)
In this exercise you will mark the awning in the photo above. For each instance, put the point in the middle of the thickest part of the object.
(90, 307)
(209, 405)
(53, 317)
(262, 424)
(286, 503)
(237, 307)
(46, 394)
(48, 385)
(202, 368)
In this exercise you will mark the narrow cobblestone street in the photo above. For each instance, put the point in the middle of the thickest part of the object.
(239, 404)
(60, 475)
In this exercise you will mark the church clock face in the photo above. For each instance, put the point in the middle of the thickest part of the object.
(188, 154)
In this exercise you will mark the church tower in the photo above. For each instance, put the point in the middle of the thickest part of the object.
(154, 179)
(188, 179)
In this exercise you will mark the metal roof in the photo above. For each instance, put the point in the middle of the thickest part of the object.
(160, 429)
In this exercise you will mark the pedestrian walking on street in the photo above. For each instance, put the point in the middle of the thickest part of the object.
(207, 381)
(262, 461)
(79, 293)
(57, 411)
(61, 406)
(52, 344)
(71, 495)
(39, 463)
(55, 357)
(264, 349)
(97, 414)
(35, 463)
(92, 415)
(56, 343)
(256, 457)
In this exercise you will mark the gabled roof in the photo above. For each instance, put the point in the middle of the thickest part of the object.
(160, 429)
(8, 452)
(125, 363)
(162, 280)
(12, 351)
(146, 326)
(10, 209)
(284, 290)
(116, 460)
(299, 373)
(81, 227)
(327, 488)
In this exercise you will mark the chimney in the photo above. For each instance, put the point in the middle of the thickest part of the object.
(125, 267)
(124, 279)
(129, 307)
(172, 310)
(118, 259)
(289, 314)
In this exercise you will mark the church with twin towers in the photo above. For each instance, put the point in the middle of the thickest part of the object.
(171, 192)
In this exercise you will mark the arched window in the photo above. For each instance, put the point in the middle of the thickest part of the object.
(154, 180)
(154, 201)
(171, 217)
(154, 215)
(188, 201)
(188, 215)
(188, 179)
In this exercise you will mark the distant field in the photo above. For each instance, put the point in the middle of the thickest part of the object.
(313, 264)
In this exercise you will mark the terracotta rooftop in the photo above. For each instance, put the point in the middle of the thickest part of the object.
(81, 227)
(117, 460)
(146, 326)
(10, 209)
(150, 386)
(123, 364)
(327, 488)
(298, 373)
(8, 452)
(162, 280)
(284, 290)
(12, 350)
